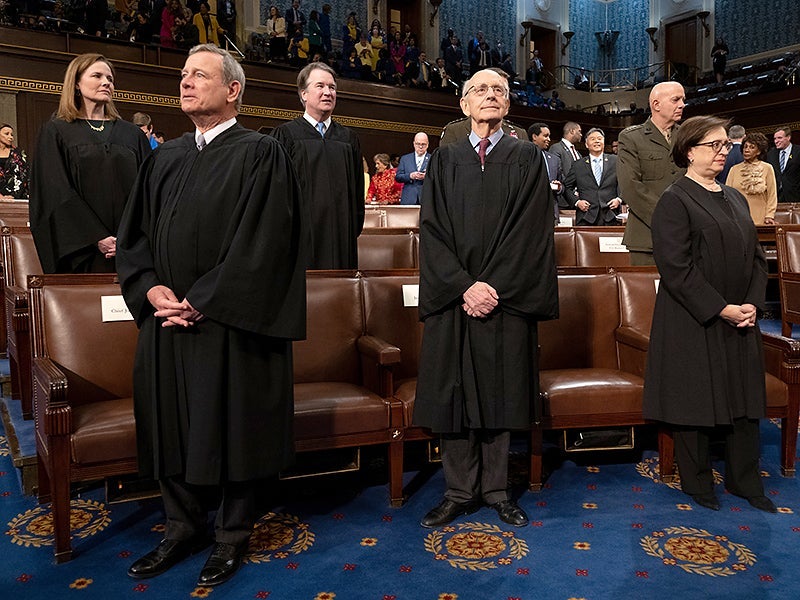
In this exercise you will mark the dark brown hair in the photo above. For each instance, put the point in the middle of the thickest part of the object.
(690, 133)
(759, 140)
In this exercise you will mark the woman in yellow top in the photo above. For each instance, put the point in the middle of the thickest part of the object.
(756, 179)
(377, 42)
(207, 25)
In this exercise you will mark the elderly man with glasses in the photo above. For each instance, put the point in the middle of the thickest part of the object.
(487, 275)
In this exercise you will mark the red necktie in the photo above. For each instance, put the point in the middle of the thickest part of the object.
(482, 146)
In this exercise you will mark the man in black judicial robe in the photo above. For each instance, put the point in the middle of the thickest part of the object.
(487, 275)
(213, 271)
(329, 167)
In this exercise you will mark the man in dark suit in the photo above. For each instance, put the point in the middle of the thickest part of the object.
(295, 17)
(785, 161)
(540, 135)
(454, 60)
(736, 135)
(566, 151)
(594, 181)
(411, 170)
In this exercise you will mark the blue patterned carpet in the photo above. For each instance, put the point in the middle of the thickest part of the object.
(598, 531)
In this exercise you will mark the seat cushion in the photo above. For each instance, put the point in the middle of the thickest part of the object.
(333, 408)
(590, 391)
(103, 431)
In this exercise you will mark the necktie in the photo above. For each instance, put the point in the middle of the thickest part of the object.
(783, 159)
(482, 146)
(597, 167)
(419, 163)
(321, 128)
(201, 142)
(575, 154)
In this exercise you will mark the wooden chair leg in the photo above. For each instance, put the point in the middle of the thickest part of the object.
(789, 432)
(396, 472)
(666, 455)
(60, 487)
(25, 370)
(536, 459)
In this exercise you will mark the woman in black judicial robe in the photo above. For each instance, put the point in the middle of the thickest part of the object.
(84, 168)
(705, 368)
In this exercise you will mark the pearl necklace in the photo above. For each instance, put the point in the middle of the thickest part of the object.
(101, 128)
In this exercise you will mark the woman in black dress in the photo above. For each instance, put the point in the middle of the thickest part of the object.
(13, 167)
(85, 165)
(705, 368)
(719, 58)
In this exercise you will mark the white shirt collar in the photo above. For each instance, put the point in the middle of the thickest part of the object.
(314, 122)
(209, 135)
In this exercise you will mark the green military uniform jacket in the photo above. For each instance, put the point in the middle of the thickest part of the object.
(454, 131)
(644, 170)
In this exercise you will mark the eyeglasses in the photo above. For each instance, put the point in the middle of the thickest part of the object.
(718, 145)
(483, 89)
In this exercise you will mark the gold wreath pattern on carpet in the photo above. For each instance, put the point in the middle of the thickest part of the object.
(648, 468)
(34, 528)
(278, 536)
(475, 546)
(4, 450)
(699, 552)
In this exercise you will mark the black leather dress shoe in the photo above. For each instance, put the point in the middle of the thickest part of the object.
(707, 501)
(223, 563)
(447, 511)
(762, 503)
(166, 555)
(510, 512)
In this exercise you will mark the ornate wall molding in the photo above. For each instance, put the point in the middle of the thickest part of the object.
(281, 114)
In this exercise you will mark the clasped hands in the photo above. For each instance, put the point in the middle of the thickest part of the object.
(480, 300)
(743, 315)
(108, 246)
(173, 311)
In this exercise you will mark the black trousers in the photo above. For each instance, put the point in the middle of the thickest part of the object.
(475, 464)
(742, 450)
(187, 506)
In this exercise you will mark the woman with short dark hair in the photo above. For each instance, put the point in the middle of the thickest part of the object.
(383, 188)
(756, 179)
(705, 368)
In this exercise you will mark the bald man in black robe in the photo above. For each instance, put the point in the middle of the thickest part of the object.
(487, 275)
(210, 258)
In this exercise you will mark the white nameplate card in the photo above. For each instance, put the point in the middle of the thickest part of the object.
(411, 295)
(114, 309)
(565, 221)
(612, 244)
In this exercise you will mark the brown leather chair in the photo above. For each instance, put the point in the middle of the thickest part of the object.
(380, 249)
(401, 216)
(582, 382)
(374, 218)
(386, 317)
(787, 240)
(19, 261)
(12, 214)
(337, 372)
(82, 390)
(564, 238)
(587, 247)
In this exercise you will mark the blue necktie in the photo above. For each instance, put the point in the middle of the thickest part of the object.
(597, 166)
(321, 128)
(783, 159)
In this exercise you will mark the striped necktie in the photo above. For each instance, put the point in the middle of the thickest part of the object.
(783, 159)
(597, 167)
(321, 128)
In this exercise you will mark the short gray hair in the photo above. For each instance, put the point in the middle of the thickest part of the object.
(498, 72)
(231, 70)
(305, 73)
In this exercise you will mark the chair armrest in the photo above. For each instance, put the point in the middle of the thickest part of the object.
(632, 337)
(632, 347)
(790, 276)
(17, 296)
(782, 357)
(381, 352)
(50, 398)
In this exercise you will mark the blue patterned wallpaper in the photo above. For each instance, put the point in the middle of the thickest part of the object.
(339, 12)
(629, 17)
(497, 20)
(751, 27)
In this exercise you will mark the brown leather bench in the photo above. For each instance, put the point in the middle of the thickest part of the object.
(590, 247)
(387, 248)
(82, 390)
(19, 261)
(393, 216)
